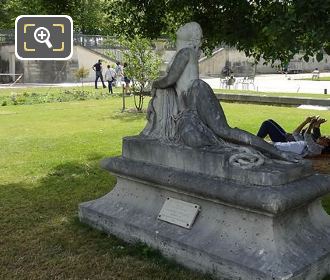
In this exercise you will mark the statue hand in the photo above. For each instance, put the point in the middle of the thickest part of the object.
(154, 85)
(150, 110)
(153, 92)
(148, 115)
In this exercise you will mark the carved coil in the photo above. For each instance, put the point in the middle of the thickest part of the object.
(246, 159)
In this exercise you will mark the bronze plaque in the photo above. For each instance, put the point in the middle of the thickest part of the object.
(179, 212)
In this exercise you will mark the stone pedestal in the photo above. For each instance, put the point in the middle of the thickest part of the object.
(251, 225)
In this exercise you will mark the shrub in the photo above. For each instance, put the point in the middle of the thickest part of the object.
(81, 74)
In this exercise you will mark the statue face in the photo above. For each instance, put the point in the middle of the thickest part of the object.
(189, 36)
(193, 44)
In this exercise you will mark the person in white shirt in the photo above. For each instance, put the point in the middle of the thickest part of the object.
(308, 142)
(110, 76)
(119, 73)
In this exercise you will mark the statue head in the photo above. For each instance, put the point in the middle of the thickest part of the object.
(189, 36)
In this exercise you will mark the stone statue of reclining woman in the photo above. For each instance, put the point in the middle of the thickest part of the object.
(184, 109)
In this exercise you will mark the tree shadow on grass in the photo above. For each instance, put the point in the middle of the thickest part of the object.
(42, 238)
(126, 116)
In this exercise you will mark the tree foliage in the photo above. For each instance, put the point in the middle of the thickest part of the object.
(88, 15)
(143, 65)
(81, 74)
(274, 29)
(10, 9)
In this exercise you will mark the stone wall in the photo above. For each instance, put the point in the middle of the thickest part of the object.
(62, 71)
(57, 71)
(48, 71)
(236, 61)
(241, 65)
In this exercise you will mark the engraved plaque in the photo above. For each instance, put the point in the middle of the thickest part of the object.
(179, 212)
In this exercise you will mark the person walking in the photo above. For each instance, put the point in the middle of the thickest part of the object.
(127, 81)
(97, 67)
(119, 73)
(110, 75)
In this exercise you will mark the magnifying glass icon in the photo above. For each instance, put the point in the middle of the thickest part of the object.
(41, 35)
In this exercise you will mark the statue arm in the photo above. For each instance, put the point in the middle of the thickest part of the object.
(179, 64)
(243, 137)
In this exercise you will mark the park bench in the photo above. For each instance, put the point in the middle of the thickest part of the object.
(228, 82)
(247, 82)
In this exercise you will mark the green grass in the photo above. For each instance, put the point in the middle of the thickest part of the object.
(320, 79)
(287, 94)
(35, 95)
(49, 163)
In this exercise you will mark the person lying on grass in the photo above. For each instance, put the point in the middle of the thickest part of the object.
(304, 142)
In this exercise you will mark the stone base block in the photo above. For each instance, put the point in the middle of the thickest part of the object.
(227, 240)
(212, 162)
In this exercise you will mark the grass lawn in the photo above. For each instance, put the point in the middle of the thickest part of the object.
(49, 163)
(35, 95)
(319, 79)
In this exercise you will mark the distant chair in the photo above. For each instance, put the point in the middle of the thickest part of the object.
(316, 74)
(247, 82)
(223, 83)
(251, 82)
(231, 82)
(228, 82)
(238, 82)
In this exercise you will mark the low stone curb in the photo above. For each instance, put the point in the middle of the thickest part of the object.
(273, 100)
